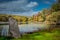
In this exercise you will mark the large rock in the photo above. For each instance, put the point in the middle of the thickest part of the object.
(13, 28)
(1, 30)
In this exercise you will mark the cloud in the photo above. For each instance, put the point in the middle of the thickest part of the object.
(22, 7)
(47, 2)
(13, 6)
(6, 0)
(55, 0)
(17, 6)
(29, 13)
(32, 4)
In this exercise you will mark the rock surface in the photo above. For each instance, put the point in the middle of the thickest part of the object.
(13, 28)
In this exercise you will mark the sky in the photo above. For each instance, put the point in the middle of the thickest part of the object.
(24, 7)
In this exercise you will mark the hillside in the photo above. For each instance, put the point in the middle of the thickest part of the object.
(23, 19)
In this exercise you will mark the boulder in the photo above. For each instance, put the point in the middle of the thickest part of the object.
(13, 28)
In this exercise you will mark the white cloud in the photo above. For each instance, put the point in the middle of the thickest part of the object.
(55, 0)
(14, 5)
(47, 2)
(32, 4)
(29, 13)
(21, 7)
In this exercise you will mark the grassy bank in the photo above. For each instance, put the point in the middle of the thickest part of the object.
(54, 35)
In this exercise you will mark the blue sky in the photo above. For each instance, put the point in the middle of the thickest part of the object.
(24, 7)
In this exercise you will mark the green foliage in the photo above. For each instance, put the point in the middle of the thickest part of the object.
(54, 17)
(56, 7)
(54, 35)
(45, 13)
(5, 17)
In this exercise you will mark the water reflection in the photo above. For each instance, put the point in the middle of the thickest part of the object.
(23, 28)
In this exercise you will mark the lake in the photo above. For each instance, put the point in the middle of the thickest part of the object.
(23, 28)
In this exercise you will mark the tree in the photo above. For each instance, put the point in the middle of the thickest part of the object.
(53, 20)
(20, 21)
(43, 14)
(26, 20)
(58, 1)
(56, 7)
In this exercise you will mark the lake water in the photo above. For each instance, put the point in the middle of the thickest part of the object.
(23, 28)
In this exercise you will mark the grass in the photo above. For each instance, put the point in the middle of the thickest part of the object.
(54, 35)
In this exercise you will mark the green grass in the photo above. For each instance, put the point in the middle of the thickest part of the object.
(54, 35)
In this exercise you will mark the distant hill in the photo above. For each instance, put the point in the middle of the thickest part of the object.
(5, 17)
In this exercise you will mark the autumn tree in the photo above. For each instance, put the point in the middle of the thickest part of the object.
(26, 20)
(56, 6)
